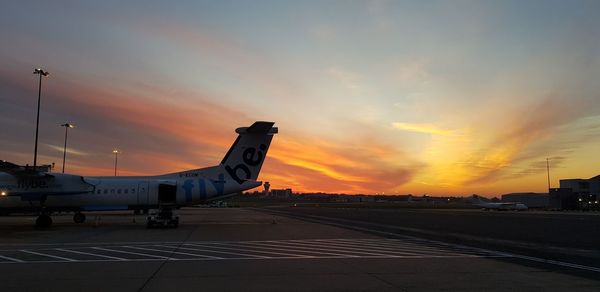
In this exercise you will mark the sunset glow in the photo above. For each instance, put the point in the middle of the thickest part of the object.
(434, 97)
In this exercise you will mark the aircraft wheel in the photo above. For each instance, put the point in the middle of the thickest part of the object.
(79, 217)
(43, 221)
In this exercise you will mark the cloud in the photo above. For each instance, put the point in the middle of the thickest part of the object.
(347, 78)
(413, 72)
(163, 135)
(519, 131)
(423, 128)
(346, 166)
(69, 150)
(537, 167)
(233, 57)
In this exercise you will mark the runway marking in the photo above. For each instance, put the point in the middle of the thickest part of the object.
(92, 254)
(271, 252)
(177, 252)
(361, 249)
(308, 249)
(311, 246)
(263, 245)
(48, 255)
(407, 248)
(333, 248)
(233, 248)
(11, 259)
(216, 251)
(129, 252)
(327, 221)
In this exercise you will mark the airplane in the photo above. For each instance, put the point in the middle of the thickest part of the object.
(500, 206)
(27, 190)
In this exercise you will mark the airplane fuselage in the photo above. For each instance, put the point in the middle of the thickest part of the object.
(66, 192)
(23, 189)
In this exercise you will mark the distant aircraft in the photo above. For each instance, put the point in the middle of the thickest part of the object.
(34, 191)
(500, 206)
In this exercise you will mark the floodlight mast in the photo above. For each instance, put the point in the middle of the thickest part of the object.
(40, 72)
(67, 127)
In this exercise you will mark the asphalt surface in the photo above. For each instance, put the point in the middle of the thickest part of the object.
(562, 236)
(252, 250)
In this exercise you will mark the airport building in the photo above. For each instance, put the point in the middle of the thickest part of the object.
(531, 200)
(577, 193)
(281, 193)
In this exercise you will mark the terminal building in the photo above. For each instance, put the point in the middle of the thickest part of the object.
(577, 193)
(281, 193)
(531, 200)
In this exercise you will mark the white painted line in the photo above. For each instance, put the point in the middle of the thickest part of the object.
(48, 255)
(90, 243)
(558, 263)
(491, 252)
(217, 251)
(129, 252)
(261, 245)
(390, 249)
(11, 259)
(92, 254)
(237, 258)
(172, 252)
(357, 249)
(227, 246)
(399, 249)
(396, 244)
(311, 247)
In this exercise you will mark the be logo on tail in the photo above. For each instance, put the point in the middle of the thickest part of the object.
(250, 157)
(247, 154)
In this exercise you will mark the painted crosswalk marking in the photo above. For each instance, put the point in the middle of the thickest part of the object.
(239, 250)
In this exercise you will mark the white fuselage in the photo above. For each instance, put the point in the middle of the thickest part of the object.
(72, 192)
(502, 206)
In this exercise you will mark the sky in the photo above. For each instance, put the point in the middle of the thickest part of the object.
(370, 97)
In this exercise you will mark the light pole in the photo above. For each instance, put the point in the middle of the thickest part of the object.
(67, 126)
(548, 170)
(116, 153)
(40, 72)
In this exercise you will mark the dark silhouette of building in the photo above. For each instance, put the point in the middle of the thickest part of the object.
(531, 200)
(576, 194)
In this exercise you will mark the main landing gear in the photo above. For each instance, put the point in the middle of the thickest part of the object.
(43, 221)
(79, 217)
(162, 217)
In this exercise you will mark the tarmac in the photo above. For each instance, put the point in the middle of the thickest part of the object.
(233, 249)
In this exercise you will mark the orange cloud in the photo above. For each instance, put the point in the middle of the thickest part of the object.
(347, 167)
(423, 128)
(161, 135)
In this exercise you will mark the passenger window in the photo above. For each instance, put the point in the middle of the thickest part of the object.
(118, 191)
(133, 191)
(125, 191)
(99, 192)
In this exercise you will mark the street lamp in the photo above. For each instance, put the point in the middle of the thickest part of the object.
(116, 153)
(40, 72)
(548, 169)
(67, 126)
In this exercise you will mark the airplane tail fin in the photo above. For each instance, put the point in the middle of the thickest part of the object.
(247, 154)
